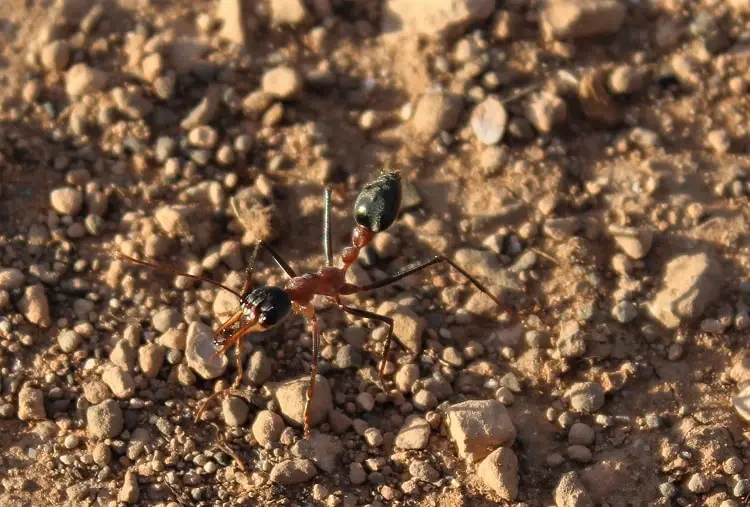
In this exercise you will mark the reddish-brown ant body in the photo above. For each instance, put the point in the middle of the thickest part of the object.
(261, 308)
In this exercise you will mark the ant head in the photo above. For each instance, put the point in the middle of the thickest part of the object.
(269, 305)
(377, 205)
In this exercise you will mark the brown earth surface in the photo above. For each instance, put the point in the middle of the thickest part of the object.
(586, 160)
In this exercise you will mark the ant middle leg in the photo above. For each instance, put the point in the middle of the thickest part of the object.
(313, 374)
(419, 267)
(388, 339)
(327, 251)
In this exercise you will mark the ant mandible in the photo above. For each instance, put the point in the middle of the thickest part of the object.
(262, 308)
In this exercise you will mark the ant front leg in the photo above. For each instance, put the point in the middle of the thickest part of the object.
(389, 337)
(327, 251)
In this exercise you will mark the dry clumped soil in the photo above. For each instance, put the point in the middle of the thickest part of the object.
(586, 159)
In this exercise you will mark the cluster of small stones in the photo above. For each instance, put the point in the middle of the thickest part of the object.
(108, 401)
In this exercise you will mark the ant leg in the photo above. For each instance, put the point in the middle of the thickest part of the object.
(327, 226)
(424, 265)
(313, 374)
(389, 337)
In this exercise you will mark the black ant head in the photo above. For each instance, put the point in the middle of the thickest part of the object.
(377, 205)
(269, 305)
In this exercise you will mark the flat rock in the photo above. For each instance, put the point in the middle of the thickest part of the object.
(414, 434)
(293, 471)
(292, 395)
(571, 493)
(323, 449)
(573, 19)
(690, 284)
(434, 18)
(199, 347)
(479, 426)
(499, 471)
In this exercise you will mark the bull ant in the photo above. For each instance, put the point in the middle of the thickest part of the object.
(261, 308)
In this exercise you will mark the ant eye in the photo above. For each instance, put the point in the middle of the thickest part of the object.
(377, 205)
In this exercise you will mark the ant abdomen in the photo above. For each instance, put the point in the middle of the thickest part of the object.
(270, 305)
(377, 205)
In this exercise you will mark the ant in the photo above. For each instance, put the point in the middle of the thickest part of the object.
(261, 308)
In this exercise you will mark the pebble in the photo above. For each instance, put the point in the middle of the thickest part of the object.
(625, 80)
(435, 112)
(581, 434)
(698, 483)
(373, 437)
(102, 454)
(571, 342)
(131, 103)
(199, 347)
(55, 55)
(293, 471)
(288, 12)
(668, 490)
(204, 137)
(35, 306)
(104, 420)
(690, 284)
(545, 111)
(586, 396)
(258, 368)
(11, 278)
(366, 401)
(66, 200)
(357, 474)
(741, 403)
(570, 492)
(573, 19)
(406, 376)
(230, 14)
(624, 312)
(129, 493)
(488, 121)
(123, 355)
(80, 79)
(204, 112)
(423, 471)
(292, 396)
(95, 391)
(493, 159)
(732, 465)
(580, 453)
(634, 242)
(436, 18)
(120, 382)
(499, 471)
(477, 426)
(282, 82)
(424, 400)
(323, 449)
(71, 441)
(414, 434)
(408, 327)
(234, 411)
(151, 358)
(31, 404)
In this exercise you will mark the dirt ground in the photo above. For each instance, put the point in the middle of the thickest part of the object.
(586, 160)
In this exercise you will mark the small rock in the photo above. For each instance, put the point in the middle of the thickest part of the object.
(625, 80)
(407, 325)
(293, 471)
(11, 278)
(129, 492)
(499, 471)
(581, 434)
(230, 13)
(414, 434)
(131, 103)
(35, 306)
(55, 55)
(624, 312)
(292, 395)
(204, 137)
(234, 411)
(488, 120)
(690, 284)
(199, 348)
(83, 80)
(258, 368)
(267, 427)
(120, 382)
(366, 401)
(573, 19)
(151, 358)
(478, 426)
(283, 82)
(289, 12)
(406, 376)
(31, 404)
(635, 242)
(586, 397)
(571, 342)
(323, 449)
(104, 420)
(423, 471)
(741, 403)
(436, 18)
(668, 490)
(204, 112)
(66, 200)
(436, 111)
(545, 110)
(571, 493)
(174, 220)
(123, 355)
(357, 474)
(96, 391)
(699, 483)
(68, 341)
(579, 454)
